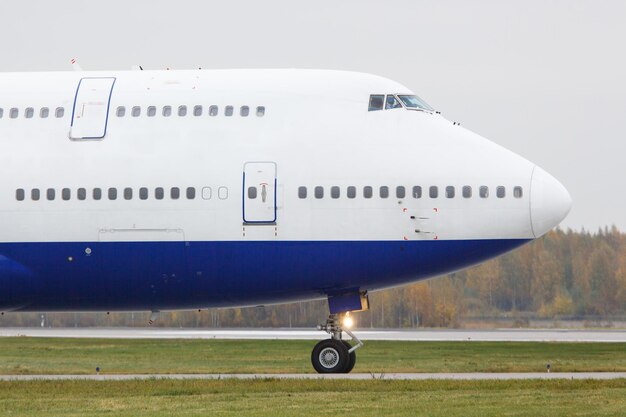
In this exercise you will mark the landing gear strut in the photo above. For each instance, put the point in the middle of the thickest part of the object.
(335, 355)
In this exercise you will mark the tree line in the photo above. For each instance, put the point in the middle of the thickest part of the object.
(565, 274)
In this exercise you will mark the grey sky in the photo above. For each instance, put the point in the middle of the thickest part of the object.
(543, 78)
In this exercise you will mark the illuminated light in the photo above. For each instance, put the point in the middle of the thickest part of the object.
(348, 322)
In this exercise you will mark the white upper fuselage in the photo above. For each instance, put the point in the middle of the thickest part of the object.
(316, 129)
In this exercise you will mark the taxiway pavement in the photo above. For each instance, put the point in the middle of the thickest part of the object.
(497, 335)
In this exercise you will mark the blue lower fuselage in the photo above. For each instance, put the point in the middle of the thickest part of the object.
(110, 276)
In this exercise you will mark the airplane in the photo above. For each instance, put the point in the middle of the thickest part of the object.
(189, 189)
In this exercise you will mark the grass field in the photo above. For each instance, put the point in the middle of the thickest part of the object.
(304, 398)
(276, 398)
(21, 355)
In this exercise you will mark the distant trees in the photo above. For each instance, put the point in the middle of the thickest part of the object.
(564, 274)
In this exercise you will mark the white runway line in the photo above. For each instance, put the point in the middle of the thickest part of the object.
(355, 376)
(498, 335)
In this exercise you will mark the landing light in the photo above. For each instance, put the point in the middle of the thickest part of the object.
(348, 322)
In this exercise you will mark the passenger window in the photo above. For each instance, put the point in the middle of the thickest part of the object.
(376, 102)
(517, 192)
(245, 111)
(400, 192)
(392, 102)
(302, 192)
(97, 194)
(34, 194)
(252, 193)
(334, 192)
(66, 194)
(467, 191)
(222, 193)
(197, 111)
(1, 112)
(450, 191)
(121, 111)
(81, 193)
(44, 112)
(29, 112)
(174, 193)
(319, 192)
(128, 193)
(417, 191)
(182, 111)
(59, 112)
(384, 192)
(50, 194)
(19, 194)
(500, 192)
(167, 111)
(14, 113)
(143, 193)
(112, 193)
(151, 111)
(260, 111)
(433, 191)
(351, 192)
(190, 193)
(228, 111)
(159, 193)
(136, 111)
(483, 191)
(367, 191)
(206, 193)
(213, 110)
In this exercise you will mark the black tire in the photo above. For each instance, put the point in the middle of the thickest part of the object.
(330, 356)
(352, 360)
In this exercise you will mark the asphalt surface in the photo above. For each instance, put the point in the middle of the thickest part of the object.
(355, 376)
(498, 335)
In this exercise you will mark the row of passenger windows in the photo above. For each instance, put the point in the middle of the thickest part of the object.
(174, 193)
(401, 192)
(158, 193)
(135, 111)
(182, 111)
(29, 112)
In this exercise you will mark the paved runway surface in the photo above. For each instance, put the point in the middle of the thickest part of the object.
(449, 376)
(520, 335)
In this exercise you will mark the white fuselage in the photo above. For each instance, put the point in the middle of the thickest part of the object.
(315, 131)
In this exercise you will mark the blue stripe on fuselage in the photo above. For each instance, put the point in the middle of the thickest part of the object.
(97, 276)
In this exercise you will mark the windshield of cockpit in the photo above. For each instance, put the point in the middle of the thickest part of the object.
(415, 102)
(397, 101)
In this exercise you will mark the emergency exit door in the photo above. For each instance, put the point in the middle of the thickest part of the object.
(90, 114)
(259, 192)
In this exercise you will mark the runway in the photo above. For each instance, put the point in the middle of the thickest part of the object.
(498, 335)
(355, 376)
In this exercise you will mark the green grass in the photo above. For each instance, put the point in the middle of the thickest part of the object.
(21, 355)
(304, 398)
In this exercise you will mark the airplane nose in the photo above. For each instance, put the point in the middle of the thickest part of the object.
(549, 202)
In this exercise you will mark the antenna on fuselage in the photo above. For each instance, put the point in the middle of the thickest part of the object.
(136, 68)
(75, 65)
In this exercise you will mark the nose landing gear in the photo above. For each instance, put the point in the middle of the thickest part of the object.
(335, 355)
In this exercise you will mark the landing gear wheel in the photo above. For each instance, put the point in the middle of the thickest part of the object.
(352, 360)
(330, 356)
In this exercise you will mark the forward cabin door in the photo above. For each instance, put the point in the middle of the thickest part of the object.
(259, 192)
(90, 114)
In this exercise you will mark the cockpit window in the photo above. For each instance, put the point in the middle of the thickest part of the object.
(392, 102)
(376, 102)
(414, 102)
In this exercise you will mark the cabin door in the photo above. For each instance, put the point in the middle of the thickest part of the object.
(91, 108)
(259, 192)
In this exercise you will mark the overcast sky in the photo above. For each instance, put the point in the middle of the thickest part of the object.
(545, 79)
